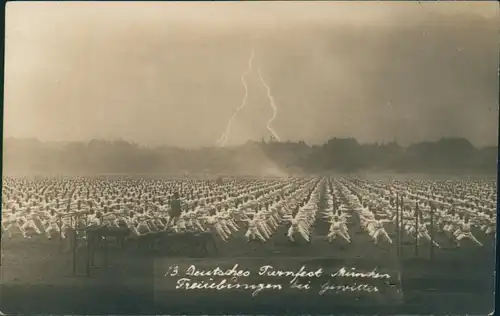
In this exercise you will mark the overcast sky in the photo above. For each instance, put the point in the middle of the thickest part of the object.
(169, 73)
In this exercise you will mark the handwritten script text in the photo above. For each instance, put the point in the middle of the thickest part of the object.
(269, 278)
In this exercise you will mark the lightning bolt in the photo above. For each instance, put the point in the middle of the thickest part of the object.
(224, 137)
(273, 106)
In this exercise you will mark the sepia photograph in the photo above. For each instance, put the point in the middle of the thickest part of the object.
(249, 157)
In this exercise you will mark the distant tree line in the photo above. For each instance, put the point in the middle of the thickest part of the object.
(337, 155)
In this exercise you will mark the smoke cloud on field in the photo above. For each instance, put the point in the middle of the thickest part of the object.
(169, 73)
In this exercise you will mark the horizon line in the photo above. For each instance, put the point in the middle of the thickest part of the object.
(267, 141)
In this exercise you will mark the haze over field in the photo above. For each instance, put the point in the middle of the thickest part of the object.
(169, 73)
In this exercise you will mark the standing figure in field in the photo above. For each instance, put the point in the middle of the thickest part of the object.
(28, 225)
(49, 222)
(181, 225)
(228, 218)
(337, 228)
(491, 228)
(223, 218)
(253, 232)
(195, 220)
(449, 228)
(378, 230)
(464, 231)
(309, 216)
(175, 209)
(94, 218)
(270, 219)
(343, 217)
(297, 225)
(8, 220)
(140, 225)
(423, 233)
(188, 219)
(487, 225)
(262, 227)
(212, 221)
(367, 224)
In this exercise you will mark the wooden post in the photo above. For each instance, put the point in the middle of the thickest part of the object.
(74, 250)
(432, 233)
(105, 240)
(60, 233)
(397, 227)
(416, 229)
(89, 250)
(401, 228)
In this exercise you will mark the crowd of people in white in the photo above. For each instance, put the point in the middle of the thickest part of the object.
(258, 208)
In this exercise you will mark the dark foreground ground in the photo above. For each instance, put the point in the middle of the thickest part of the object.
(37, 278)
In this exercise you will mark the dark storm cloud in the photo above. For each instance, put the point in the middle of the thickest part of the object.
(169, 73)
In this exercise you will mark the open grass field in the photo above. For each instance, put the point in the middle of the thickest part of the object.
(35, 271)
(130, 279)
